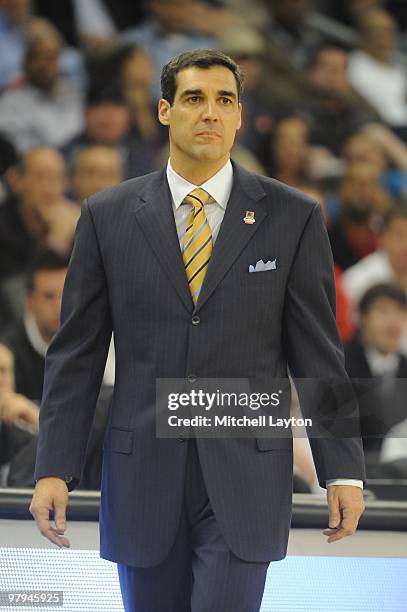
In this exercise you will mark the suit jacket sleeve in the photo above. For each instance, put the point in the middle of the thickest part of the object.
(75, 360)
(314, 354)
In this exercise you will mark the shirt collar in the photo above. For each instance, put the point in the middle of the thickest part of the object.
(382, 364)
(218, 186)
(34, 336)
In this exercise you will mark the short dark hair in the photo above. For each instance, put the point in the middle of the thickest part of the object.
(382, 290)
(198, 58)
(398, 211)
(45, 260)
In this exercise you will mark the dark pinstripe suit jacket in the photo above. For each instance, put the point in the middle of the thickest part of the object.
(126, 274)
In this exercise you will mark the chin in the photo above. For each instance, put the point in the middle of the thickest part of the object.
(210, 155)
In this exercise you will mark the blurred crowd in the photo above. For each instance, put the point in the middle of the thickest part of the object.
(325, 111)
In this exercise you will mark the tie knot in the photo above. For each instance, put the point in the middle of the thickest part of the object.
(197, 198)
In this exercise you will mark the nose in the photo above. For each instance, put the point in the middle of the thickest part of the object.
(209, 111)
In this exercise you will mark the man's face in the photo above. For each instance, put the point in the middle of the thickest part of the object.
(383, 325)
(107, 122)
(16, 10)
(360, 188)
(330, 73)
(204, 115)
(6, 369)
(291, 13)
(41, 182)
(44, 301)
(97, 168)
(394, 242)
(290, 143)
(379, 33)
(42, 66)
(361, 148)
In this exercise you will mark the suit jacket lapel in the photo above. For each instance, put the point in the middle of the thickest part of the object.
(156, 218)
(234, 234)
(155, 215)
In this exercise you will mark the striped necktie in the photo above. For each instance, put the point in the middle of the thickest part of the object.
(198, 245)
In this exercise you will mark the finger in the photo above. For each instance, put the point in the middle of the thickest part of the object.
(41, 516)
(60, 517)
(334, 515)
(347, 528)
(53, 536)
(338, 535)
(42, 519)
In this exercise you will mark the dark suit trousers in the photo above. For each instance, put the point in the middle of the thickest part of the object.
(200, 574)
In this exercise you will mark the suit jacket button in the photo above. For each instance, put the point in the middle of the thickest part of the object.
(181, 439)
(195, 320)
(191, 378)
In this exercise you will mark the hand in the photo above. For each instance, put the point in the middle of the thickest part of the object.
(51, 493)
(14, 406)
(346, 505)
(61, 219)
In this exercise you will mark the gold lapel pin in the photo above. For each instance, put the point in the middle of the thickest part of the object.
(249, 218)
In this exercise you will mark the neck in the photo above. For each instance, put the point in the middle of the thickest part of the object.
(401, 278)
(383, 57)
(197, 172)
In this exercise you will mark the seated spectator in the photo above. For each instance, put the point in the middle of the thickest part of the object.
(30, 338)
(375, 73)
(247, 47)
(36, 216)
(174, 26)
(14, 407)
(18, 416)
(22, 464)
(45, 109)
(336, 108)
(91, 25)
(14, 18)
(363, 204)
(8, 159)
(393, 453)
(291, 43)
(387, 265)
(136, 74)
(344, 315)
(374, 362)
(17, 25)
(19, 419)
(292, 159)
(288, 151)
(95, 167)
(107, 122)
(379, 146)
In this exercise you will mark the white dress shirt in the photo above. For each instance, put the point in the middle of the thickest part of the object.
(219, 188)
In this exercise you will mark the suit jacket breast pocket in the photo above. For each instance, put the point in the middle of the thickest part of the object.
(266, 278)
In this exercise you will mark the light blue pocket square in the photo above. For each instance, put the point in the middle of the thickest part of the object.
(263, 267)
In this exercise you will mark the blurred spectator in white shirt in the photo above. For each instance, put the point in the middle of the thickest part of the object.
(46, 109)
(387, 265)
(374, 71)
(174, 26)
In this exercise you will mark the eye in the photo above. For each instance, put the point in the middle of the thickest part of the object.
(226, 101)
(193, 99)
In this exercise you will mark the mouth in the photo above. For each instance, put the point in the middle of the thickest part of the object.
(209, 134)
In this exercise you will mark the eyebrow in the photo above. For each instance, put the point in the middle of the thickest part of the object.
(197, 92)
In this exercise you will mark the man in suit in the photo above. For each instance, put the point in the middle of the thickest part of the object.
(376, 365)
(193, 524)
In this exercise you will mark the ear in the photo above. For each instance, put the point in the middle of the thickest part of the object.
(164, 110)
(14, 179)
(239, 124)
